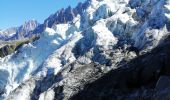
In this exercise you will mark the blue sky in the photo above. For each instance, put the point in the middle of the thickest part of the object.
(16, 12)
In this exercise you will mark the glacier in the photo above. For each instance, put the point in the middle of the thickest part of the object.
(89, 37)
(22, 64)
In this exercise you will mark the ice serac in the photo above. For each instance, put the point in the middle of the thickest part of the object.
(31, 57)
(79, 45)
(156, 22)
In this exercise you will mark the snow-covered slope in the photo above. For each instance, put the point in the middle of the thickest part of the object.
(31, 57)
(103, 27)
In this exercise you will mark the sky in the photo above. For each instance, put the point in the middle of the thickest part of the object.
(15, 12)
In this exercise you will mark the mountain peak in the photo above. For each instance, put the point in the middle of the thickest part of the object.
(65, 15)
(30, 25)
(19, 32)
(31, 22)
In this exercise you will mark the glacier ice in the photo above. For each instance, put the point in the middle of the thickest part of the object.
(102, 26)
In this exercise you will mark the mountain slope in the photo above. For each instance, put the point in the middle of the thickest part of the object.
(108, 32)
(142, 79)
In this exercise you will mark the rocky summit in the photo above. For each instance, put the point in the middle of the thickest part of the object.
(99, 50)
(19, 33)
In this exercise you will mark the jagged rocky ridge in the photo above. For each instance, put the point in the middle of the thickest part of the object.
(110, 50)
(65, 15)
(19, 33)
(33, 28)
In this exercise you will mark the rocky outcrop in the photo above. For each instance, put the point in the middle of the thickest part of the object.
(12, 46)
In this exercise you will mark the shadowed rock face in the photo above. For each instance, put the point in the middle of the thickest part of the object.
(162, 89)
(137, 81)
